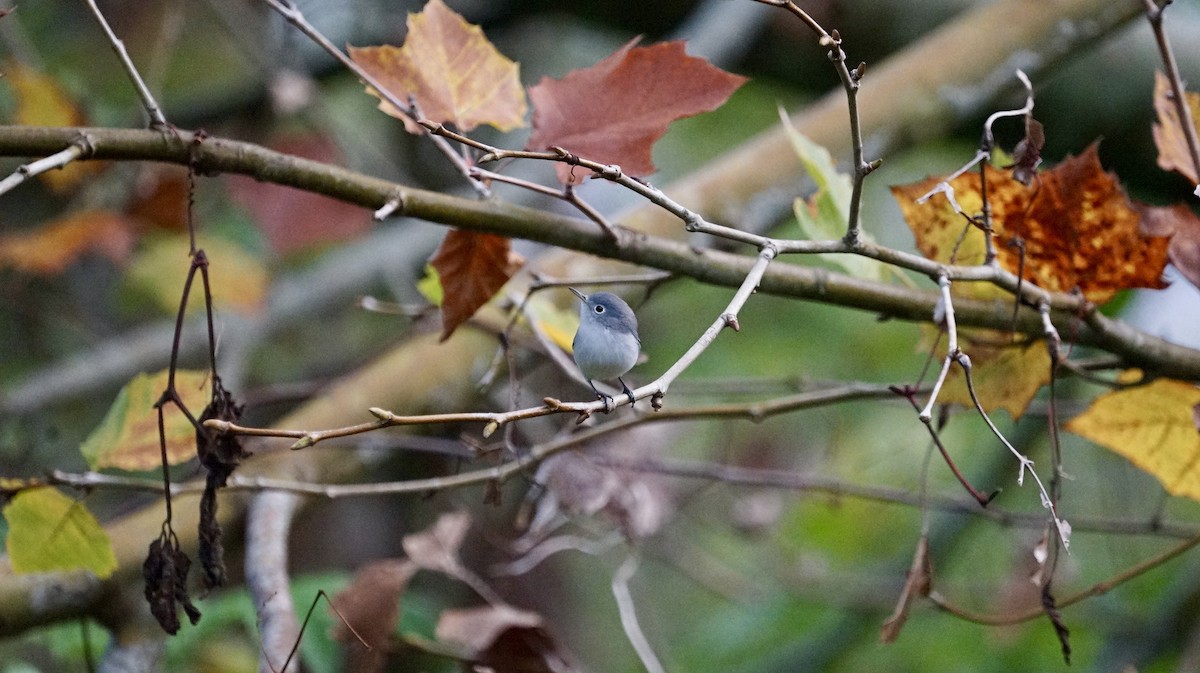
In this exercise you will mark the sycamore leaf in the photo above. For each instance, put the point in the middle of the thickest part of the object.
(295, 219)
(1153, 427)
(472, 268)
(614, 111)
(40, 101)
(1173, 153)
(452, 71)
(48, 531)
(1075, 224)
(127, 438)
(1183, 226)
(238, 280)
(50, 248)
(1005, 375)
(824, 216)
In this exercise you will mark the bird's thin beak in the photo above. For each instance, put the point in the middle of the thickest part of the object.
(582, 296)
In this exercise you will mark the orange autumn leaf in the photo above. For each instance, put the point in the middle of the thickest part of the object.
(451, 69)
(1154, 427)
(472, 268)
(1078, 228)
(40, 101)
(52, 247)
(614, 111)
(1173, 153)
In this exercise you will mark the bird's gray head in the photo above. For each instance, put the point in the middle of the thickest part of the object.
(606, 310)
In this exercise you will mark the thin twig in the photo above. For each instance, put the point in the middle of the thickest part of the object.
(717, 472)
(157, 119)
(80, 149)
(1154, 13)
(629, 620)
(294, 16)
(1097, 589)
(850, 82)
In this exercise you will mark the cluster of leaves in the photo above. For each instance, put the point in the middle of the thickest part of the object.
(612, 113)
(1070, 229)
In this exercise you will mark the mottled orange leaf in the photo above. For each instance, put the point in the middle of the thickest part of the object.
(1006, 374)
(52, 247)
(40, 101)
(1077, 227)
(1153, 427)
(127, 438)
(1173, 153)
(472, 268)
(451, 69)
(294, 219)
(614, 111)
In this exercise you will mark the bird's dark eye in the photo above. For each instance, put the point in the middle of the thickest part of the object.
(599, 309)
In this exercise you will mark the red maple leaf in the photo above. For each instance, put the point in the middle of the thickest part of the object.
(614, 111)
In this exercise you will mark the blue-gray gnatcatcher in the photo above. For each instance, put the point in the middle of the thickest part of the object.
(607, 344)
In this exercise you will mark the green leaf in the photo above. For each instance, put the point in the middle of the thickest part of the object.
(48, 531)
(127, 438)
(430, 286)
(824, 216)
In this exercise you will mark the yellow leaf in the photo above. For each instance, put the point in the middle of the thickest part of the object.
(127, 438)
(48, 531)
(1152, 426)
(557, 323)
(1005, 375)
(451, 70)
(40, 101)
(238, 280)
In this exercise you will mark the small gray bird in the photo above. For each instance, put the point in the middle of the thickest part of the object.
(607, 344)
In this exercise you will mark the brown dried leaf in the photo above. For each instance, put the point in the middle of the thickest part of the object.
(1182, 225)
(50, 248)
(472, 268)
(1028, 153)
(371, 607)
(1173, 153)
(614, 111)
(503, 638)
(160, 197)
(451, 69)
(916, 584)
(1077, 227)
(437, 548)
